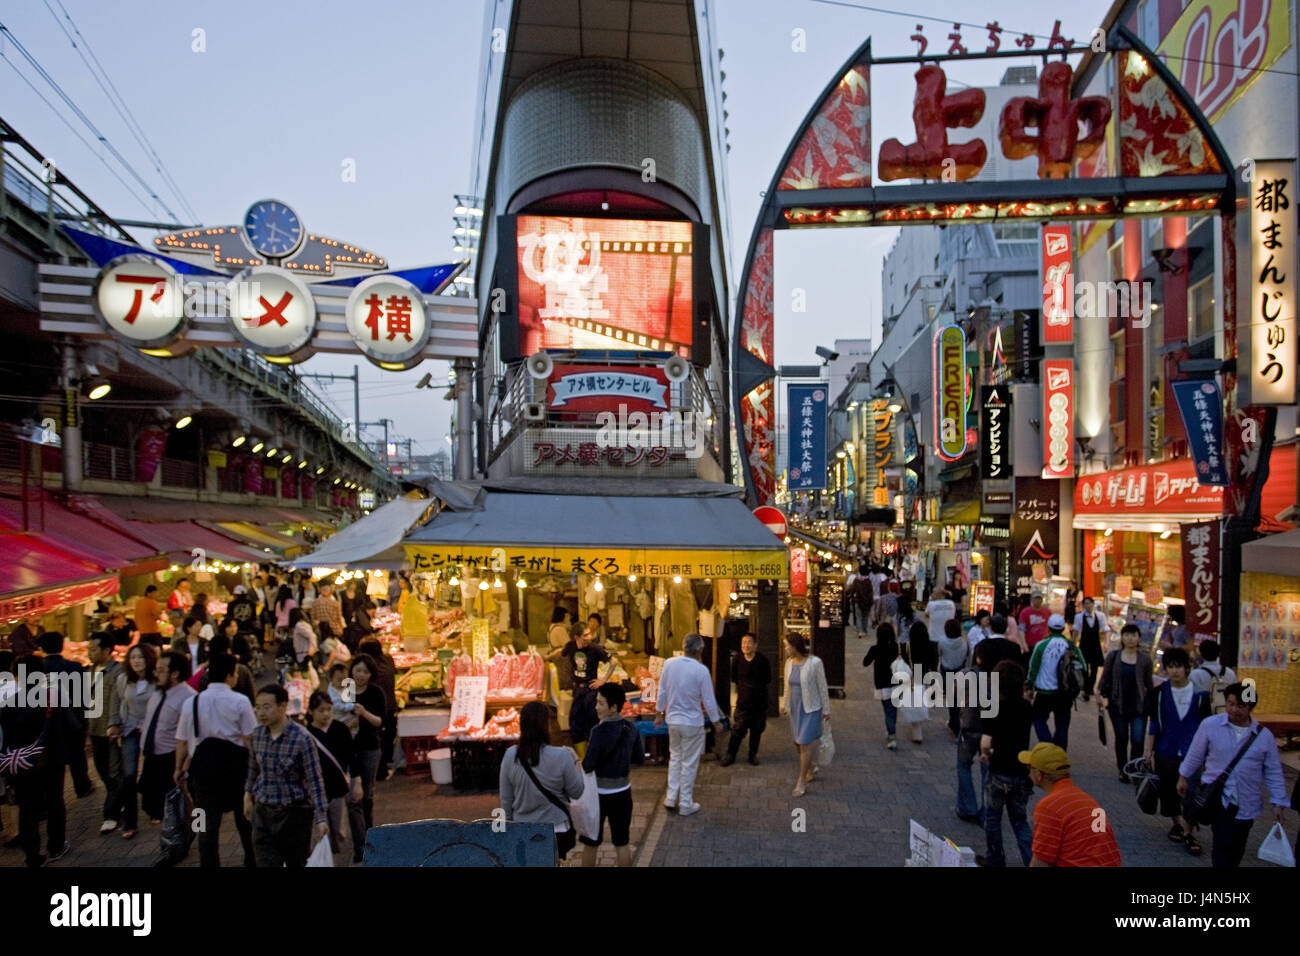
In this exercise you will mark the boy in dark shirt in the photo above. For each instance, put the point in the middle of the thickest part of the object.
(1002, 738)
(614, 746)
(585, 659)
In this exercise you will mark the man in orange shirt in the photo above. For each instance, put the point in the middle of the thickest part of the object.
(1069, 828)
(147, 613)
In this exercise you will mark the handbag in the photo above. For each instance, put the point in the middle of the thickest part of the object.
(1101, 727)
(826, 749)
(1203, 806)
(1148, 784)
(547, 794)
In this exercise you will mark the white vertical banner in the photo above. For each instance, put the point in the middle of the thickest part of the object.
(1272, 301)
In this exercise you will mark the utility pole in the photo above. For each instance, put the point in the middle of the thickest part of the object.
(464, 458)
(354, 378)
(385, 422)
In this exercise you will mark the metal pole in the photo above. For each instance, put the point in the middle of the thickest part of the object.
(71, 420)
(356, 396)
(464, 419)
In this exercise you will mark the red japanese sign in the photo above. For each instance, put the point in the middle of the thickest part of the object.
(798, 572)
(1201, 577)
(1058, 286)
(1058, 418)
(1171, 488)
(602, 388)
(45, 602)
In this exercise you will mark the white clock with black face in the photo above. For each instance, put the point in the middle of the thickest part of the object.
(274, 230)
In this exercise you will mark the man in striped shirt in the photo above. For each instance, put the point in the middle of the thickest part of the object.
(1069, 828)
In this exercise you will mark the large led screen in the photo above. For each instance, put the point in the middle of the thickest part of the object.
(604, 284)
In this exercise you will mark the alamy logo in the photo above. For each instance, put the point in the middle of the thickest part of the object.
(74, 909)
(652, 430)
(78, 690)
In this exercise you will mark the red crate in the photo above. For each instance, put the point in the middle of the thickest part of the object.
(417, 750)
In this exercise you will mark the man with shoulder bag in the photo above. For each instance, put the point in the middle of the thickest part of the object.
(1233, 757)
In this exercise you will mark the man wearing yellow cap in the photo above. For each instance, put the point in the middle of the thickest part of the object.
(1070, 829)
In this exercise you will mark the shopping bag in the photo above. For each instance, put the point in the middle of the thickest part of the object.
(826, 749)
(586, 809)
(321, 856)
(174, 843)
(1276, 848)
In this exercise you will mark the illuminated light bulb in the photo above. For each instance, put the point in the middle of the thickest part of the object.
(496, 582)
(631, 577)
(271, 453)
(734, 595)
(1109, 532)
(598, 586)
(521, 583)
(320, 470)
(453, 581)
(302, 464)
(677, 579)
(239, 441)
(483, 585)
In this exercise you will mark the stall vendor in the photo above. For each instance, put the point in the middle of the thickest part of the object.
(585, 658)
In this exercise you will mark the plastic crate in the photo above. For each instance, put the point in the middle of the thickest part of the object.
(416, 750)
(476, 764)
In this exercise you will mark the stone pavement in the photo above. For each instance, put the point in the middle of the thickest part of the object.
(855, 814)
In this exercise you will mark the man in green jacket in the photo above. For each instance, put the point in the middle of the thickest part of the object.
(1048, 697)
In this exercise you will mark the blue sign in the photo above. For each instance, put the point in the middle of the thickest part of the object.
(806, 406)
(1202, 410)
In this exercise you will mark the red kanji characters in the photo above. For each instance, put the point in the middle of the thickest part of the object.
(955, 48)
(136, 302)
(1054, 117)
(933, 114)
(588, 453)
(1025, 41)
(995, 41)
(274, 313)
(397, 313)
(919, 37)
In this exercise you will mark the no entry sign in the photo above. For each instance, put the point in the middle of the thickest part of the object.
(773, 518)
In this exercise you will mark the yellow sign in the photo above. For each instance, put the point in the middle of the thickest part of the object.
(482, 638)
(1274, 196)
(1218, 48)
(216, 459)
(747, 565)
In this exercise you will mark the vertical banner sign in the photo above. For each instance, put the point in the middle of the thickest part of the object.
(798, 572)
(1058, 287)
(1201, 578)
(883, 453)
(1058, 418)
(807, 458)
(995, 431)
(1273, 283)
(1202, 410)
(950, 399)
(1035, 527)
(1027, 347)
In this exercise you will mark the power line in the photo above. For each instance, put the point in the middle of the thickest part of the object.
(80, 114)
(115, 98)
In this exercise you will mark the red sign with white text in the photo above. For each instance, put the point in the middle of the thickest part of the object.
(1058, 286)
(601, 388)
(1201, 577)
(798, 571)
(46, 602)
(1058, 418)
(1168, 489)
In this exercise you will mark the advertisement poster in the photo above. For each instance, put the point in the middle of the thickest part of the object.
(1269, 636)
(995, 432)
(1035, 528)
(981, 596)
(1201, 406)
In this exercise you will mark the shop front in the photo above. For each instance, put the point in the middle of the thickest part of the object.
(1269, 638)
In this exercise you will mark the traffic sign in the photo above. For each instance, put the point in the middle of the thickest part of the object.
(773, 518)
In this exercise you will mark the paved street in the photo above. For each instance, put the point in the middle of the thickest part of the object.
(855, 814)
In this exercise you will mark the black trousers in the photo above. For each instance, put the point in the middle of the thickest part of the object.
(746, 720)
(40, 791)
(77, 765)
(108, 764)
(156, 782)
(282, 835)
(1230, 835)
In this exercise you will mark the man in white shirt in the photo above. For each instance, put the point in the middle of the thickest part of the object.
(1212, 671)
(685, 693)
(212, 750)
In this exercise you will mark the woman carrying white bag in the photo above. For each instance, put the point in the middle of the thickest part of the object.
(808, 701)
(538, 781)
(915, 714)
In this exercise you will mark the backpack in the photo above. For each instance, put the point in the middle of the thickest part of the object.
(1218, 704)
(1071, 673)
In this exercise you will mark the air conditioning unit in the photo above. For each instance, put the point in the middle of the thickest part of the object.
(534, 412)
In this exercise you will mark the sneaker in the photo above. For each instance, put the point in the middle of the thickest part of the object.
(892, 744)
(108, 826)
(60, 854)
(688, 810)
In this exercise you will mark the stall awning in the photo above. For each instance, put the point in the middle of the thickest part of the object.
(817, 544)
(176, 540)
(286, 545)
(653, 537)
(1275, 554)
(38, 577)
(83, 536)
(373, 542)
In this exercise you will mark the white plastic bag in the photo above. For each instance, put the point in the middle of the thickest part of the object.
(321, 856)
(1276, 848)
(586, 809)
(826, 749)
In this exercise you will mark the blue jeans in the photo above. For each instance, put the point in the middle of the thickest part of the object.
(968, 749)
(130, 772)
(1130, 737)
(1013, 793)
(891, 716)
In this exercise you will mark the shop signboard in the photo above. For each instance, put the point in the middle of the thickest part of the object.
(950, 392)
(1124, 586)
(806, 407)
(271, 311)
(995, 432)
(882, 452)
(46, 602)
(1202, 409)
(470, 702)
(798, 572)
(981, 596)
(1201, 582)
(141, 300)
(1273, 202)
(1058, 418)
(387, 321)
(1028, 348)
(600, 388)
(613, 562)
(1171, 488)
(1035, 526)
(481, 637)
(1058, 286)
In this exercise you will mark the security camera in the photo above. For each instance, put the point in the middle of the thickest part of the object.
(827, 354)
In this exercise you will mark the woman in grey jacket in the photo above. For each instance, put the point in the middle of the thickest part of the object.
(556, 769)
(1122, 689)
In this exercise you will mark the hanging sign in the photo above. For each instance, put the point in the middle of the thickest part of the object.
(981, 596)
(596, 388)
(141, 300)
(271, 311)
(798, 572)
(950, 397)
(481, 647)
(1035, 524)
(806, 406)
(1201, 578)
(1202, 411)
(1058, 418)
(995, 430)
(1058, 286)
(1273, 283)
(387, 321)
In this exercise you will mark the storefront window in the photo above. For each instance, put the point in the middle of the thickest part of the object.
(1200, 310)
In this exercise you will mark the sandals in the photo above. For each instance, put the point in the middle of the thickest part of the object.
(799, 791)
(129, 834)
(1193, 845)
(1176, 833)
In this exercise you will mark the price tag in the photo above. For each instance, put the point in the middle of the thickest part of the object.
(470, 701)
(481, 637)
